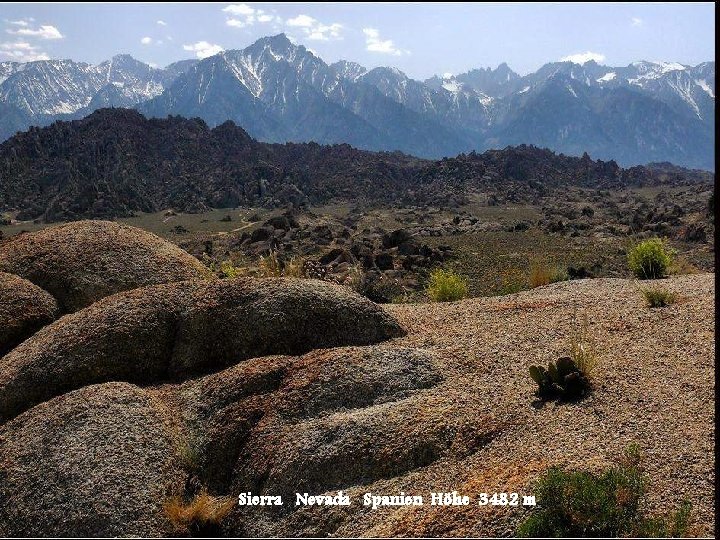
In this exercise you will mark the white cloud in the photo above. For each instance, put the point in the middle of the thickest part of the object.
(203, 49)
(582, 58)
(635, 21)
(374, 43)
(21, 51)
(46, 31)
(161, 22)
(21, 22)
(237, 23)
(314, 29)
(242, 15)
(303, 21)
(323, 32)
(240, 9)
(146, 40)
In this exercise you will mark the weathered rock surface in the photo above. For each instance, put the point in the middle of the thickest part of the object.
(330, 419)
(95, 462)
(84, 261)
(177, 330)
(24, 309)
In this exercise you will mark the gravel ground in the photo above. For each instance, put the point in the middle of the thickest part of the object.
(654, 385)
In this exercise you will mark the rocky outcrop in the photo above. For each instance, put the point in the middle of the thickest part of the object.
(82, 262)
(182, 329)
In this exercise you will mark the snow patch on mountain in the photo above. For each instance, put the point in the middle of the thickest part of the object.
(607, 77)
(702, 83)
(451, 85)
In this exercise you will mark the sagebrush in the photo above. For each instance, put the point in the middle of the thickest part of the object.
(658, 297)
(650, 259)
(446, 286)
(579, 504)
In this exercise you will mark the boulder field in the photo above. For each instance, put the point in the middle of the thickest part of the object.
(122, 352)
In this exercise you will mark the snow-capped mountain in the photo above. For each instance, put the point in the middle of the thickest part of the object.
(48, 89)
(278, 91)
(282, 92)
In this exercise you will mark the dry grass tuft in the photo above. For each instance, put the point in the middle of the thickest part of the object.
(582, 346)
(269, 266)
(294, 268)
(203, 511)
(681, 266)
(542, 274)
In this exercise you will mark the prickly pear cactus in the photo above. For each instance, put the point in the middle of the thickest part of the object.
(562, 380)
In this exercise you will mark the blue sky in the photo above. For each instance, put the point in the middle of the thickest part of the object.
(420, 39)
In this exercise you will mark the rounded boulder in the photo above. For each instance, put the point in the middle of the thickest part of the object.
(84, 261)
(24, 309)
(99, 461)
(178, 330)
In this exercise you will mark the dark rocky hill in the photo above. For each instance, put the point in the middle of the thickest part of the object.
(116, 162)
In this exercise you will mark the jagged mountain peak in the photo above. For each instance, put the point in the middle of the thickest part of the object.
(278, 47)
(387, 72)
(125, 57)
(347, 69)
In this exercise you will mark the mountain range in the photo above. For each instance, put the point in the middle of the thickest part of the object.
(282, 92)
(115, 162)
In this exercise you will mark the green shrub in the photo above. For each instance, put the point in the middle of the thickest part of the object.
(657, 297)
(230, 271)
(446, 286)
(608, 504)
(650, 259)
(190, 453)
(674, 525)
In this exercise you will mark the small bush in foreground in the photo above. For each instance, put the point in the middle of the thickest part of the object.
(446, 286)
(201, 516)
(650, 259)
(584, 504)
(562, 380)
(656, 298)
